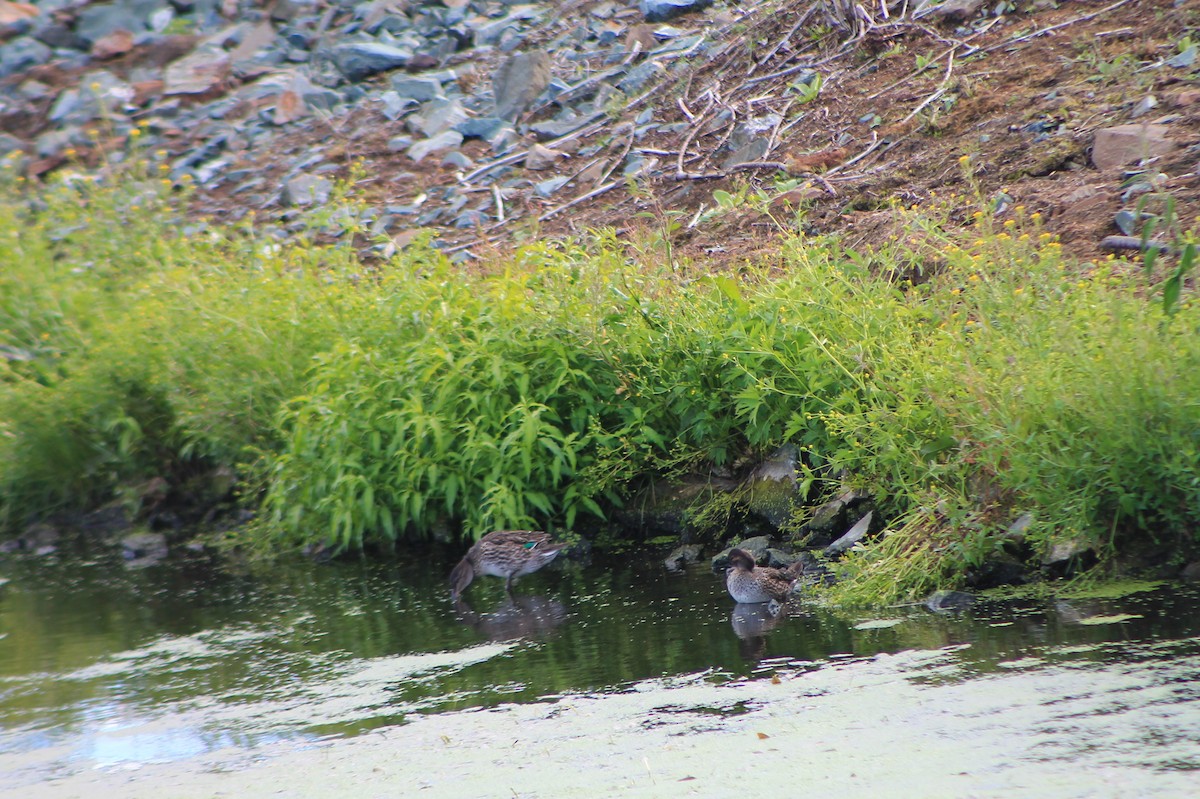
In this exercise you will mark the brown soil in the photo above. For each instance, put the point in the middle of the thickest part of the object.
(1023, 105)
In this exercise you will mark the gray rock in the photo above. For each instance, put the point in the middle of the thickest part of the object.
(1191, 573)
(832, 517)
(546, 188)
(852, 536)
(53, 142)
(753, 150)
(445, 140)
(1066, 551)
(38, 538)
(949, 601)
(518, 81)
(470, 219)
(9, 143)
(360, 60)
(778, 559)
(398, 143)
(757, 546)
(950, 10)
(640, 75)
(438, 116)
(456, 159)
(200, 72)
(394, 105)
(94, 22)
(144, 546)
(21, 54)
(681, 556)
(421, 89)
(541, 157)
(480, 127)
(1127, 144)
(491, 32)
(663, 10)
(305, 190)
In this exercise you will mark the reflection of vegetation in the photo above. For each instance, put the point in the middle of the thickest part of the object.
(965, 378)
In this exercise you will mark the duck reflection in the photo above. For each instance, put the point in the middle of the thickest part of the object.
(751, 622)
(523, 616)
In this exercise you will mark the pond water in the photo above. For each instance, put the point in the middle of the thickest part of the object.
(200, 677)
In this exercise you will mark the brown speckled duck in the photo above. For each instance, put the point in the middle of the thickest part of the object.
(507, 554)
(752, 584)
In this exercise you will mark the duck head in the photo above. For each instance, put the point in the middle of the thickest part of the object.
(741, 559)
(460, 577)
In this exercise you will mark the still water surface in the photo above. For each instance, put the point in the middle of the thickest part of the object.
(214, 677)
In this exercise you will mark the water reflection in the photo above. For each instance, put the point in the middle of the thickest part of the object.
(751, 622)
(101, 664)
(516, 617)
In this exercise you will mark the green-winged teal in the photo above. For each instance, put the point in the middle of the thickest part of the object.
(752, 584)
(507, 554)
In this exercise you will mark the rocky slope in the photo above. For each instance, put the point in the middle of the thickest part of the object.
(495, 122)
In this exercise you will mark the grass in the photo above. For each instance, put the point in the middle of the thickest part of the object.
(371, 404)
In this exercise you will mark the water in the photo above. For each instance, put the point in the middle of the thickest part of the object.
(256, 680)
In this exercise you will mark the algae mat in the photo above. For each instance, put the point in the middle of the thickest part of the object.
(1085, 721)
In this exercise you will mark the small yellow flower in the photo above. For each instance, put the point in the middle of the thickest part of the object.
(70, 152)
(1036, 216)
(974, 278)
(1010, 223)
(133, 134)
(1018, 290)
(93, 133)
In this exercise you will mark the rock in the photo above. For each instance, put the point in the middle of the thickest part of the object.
(305, 190)
(639, 76)
(12, 13)
(480, 127)
(950, 10)
(438, 116)
(663, 10)
(949, 601)
(753, 150)
(778, 559)
(681, 556)
(546, 188)
(98, 20)
(360, 60)
(198, 73)
(518, 81)
(394, 106)
(21, 54)
(1063, 551)
(446, 140)
(852, 536)
(119, 42)
(830, 519)
(771, 488)
(541, 157)
(289, 107)
(1191, 572)
(417, 88)
(38, 538)
(757, 546)
(144, 548)
(1127, 144)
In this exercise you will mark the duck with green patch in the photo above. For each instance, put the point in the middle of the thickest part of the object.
(505, 553)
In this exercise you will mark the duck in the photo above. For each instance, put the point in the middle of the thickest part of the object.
(751, 584)
(504, 553)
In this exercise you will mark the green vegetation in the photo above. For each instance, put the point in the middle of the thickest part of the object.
(365, 404)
